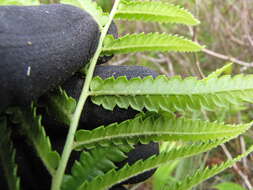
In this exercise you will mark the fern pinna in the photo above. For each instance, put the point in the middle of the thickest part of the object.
(159, 99)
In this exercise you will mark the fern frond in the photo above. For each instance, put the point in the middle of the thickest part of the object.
(172, 94)
(31, 125)
(206, 173)
(114, 177)
(7, 157)
(148, 42)
(96, 162)
(157, 128)
(154, 11)
(60, 106)
(219, 71)
(92, 8)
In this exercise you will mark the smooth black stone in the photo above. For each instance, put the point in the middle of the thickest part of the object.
(41, 47)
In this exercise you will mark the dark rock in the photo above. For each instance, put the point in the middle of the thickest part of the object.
(41, 47)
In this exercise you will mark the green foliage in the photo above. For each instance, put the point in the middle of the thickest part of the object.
(105, 5)
(228, 186)
(157, 127)
(163, 174)
(60, 106)
(7, 156)
(218, 72)
(206, 173)
(154, 11)
(31, 126)
(172, 94)
(113, 176)
(95, 163)
(148, 42)
(92, 8)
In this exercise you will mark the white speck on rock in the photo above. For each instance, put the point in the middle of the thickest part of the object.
(28, 72)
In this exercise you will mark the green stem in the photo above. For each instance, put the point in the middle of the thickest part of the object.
(58, 177)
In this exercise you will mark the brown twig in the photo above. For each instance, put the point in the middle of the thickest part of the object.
(227, 58)
(121, 61)
(236, 168)
(157, 62)
(245, 19)
(169, 64)
(243, 150)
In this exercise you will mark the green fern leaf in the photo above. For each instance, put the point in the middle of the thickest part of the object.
(113, 177)
(172, 94)
(92, 8)
(96, 162)
(7, 157)
(60, 106)
(31, 125)
(204, 174)
(154, 11)
(228, 185)
(148, 42)
(218, 72)
(157, 128)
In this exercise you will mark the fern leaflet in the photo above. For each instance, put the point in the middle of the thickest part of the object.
(172, 94)
(7, 157)
(148, 42)
(204, 174)
(60, 106)
(154, 11)
(31, 125)
(157, 128)
(93, 163)
(218, 72)
(112, 177)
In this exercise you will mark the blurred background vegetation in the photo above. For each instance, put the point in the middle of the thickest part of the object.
(226, 30)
